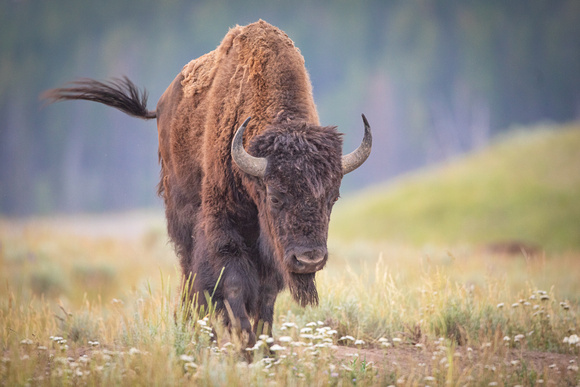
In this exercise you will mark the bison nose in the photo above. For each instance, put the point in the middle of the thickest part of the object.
(307, 260)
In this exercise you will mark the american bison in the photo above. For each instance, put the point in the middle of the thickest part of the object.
(257, 217)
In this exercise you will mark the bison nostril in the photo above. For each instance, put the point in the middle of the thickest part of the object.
(298, 261)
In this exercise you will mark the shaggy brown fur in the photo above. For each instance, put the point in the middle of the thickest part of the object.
(218, 216)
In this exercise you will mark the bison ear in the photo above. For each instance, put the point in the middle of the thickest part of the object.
(353, 160)
(255, 166)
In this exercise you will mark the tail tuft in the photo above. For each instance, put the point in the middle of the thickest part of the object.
(120, 93)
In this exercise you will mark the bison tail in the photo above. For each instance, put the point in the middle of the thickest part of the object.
(121, 93)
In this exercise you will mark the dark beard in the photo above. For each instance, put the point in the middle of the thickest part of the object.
(303, 288)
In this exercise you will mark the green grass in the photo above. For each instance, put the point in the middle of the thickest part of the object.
(523, 188)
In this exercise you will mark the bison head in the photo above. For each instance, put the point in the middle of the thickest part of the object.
(297, 177)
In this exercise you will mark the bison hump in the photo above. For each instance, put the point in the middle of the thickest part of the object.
(198, 74)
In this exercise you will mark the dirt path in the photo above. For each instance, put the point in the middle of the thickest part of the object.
(407, 359)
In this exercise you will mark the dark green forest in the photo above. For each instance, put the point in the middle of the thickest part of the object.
(434, 78)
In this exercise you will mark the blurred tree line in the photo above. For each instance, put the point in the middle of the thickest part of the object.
(435, 78)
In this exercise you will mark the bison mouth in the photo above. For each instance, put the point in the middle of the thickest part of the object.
(303, 288)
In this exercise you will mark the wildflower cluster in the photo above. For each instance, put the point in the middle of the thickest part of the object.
(60, 342)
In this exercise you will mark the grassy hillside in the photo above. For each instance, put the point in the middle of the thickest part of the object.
(525, 187)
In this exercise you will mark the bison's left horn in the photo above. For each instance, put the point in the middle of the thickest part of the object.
(353, 160)
(255, 166)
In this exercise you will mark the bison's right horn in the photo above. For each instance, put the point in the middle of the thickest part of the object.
(355, 159)
(255, 166)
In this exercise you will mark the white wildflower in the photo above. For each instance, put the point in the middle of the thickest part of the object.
(277, 347)
(346, 338)
(84, 359)
(311, 324)
(134, 351)
(285, 339)
(186, 358)
(305, 330)
(26, 342)
(515, 305)
(190, 365)
(500, 305)
(573, 339)
(506, 338)
(396, 340)
(359, 342)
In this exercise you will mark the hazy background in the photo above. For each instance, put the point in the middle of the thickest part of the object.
(435, 79)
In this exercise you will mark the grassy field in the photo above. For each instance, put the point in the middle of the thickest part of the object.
(523, 188)
(92, 301)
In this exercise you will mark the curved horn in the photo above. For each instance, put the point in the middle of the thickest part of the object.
(355, 159)
(255, 166)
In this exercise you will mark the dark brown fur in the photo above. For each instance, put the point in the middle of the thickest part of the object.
(219, 217)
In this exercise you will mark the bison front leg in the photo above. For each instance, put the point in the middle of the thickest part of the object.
(239, 293)
(267, 293)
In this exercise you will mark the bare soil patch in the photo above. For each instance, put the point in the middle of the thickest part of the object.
(408, 359)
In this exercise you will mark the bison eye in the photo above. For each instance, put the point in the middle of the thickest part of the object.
(275, 200)
(335, 199)
(274, 197)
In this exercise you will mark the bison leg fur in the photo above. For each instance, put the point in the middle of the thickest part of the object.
(239, 296)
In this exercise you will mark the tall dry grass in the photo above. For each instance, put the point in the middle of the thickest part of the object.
(81, 309)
